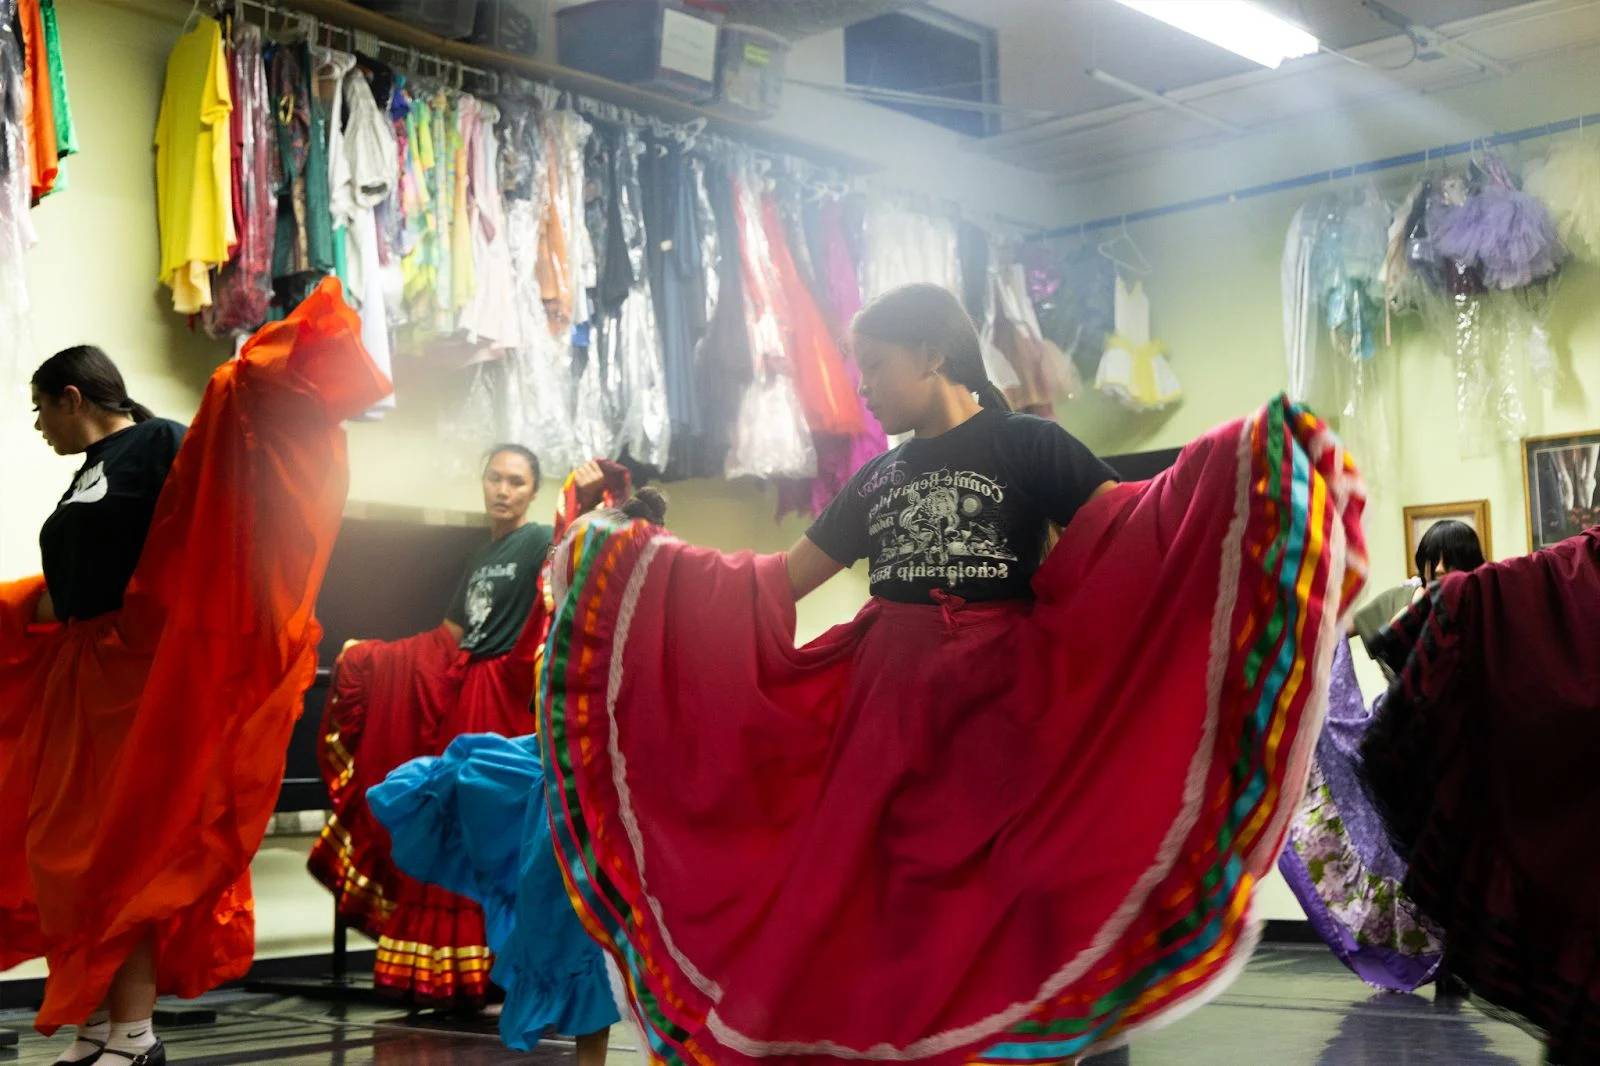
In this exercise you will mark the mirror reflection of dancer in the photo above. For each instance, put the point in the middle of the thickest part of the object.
(1481, 763)
(149, 682)
(394, 701)
(1017, 809)
(475, 821)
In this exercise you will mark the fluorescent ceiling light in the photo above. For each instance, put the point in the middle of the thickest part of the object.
(1240, 27)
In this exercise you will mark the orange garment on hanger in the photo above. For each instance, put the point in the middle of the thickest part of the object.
(550, 268)
(39, 109)
(142, 751)
(826, 388)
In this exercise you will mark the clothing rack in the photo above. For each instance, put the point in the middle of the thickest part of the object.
(423, 55)
(426, 55)
(1320, 177)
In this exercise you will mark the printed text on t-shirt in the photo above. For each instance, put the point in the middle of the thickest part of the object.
(943, 524)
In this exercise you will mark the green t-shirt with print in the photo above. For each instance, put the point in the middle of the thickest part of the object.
(497, 592)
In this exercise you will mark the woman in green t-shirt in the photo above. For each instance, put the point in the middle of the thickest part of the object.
(391, 702)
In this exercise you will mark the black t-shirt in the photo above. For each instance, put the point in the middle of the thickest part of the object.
(496, 594)
(92, 542)
(967, 511)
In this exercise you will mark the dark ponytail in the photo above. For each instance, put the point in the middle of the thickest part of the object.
(89, 370)
(648, 504)
(931, 318)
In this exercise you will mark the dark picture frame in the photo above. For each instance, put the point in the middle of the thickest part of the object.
(1561, 483)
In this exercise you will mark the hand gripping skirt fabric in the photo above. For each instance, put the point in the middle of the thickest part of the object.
(475, 822)
(1007, 833)
(1482, 763)
(1340, 864)
(141, 753)
(390, 702)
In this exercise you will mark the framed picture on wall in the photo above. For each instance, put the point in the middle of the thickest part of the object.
(1424, 517)
(1559, 480)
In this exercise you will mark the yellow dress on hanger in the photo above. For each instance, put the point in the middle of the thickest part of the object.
(194, 178)
(1134, 369)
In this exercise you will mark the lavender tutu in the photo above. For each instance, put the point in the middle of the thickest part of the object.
(1507, 233)
(1339, 862)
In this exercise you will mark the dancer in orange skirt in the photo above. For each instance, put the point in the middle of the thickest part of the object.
(396, 701)
(149, 681)
(1017, 809)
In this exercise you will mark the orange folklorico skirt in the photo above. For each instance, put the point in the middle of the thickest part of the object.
(141, 752)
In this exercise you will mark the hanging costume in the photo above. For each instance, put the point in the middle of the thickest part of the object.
(1569, 184)
(1481, 762)
(1134, 369)
(16, 227)
(39, 116)
(194, 174)
(242, 296)
(763, 836)
(395, 701)
(189, 690)
(1339, 862)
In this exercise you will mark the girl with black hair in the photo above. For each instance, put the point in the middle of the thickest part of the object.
(149, 681)
(1448, 547)
(1018, 808)
(91, 547)
(395, 701)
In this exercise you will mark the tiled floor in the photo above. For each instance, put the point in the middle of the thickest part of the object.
(1292, 1008)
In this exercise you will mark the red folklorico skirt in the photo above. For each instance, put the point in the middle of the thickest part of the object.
(141, 752)
(391, 702)
(1006, 833)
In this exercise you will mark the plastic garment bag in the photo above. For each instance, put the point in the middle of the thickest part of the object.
(903, 247)
(1332, 277)
(242, 296)
(16, 229)
(1569, 184)
(633, 344)
(771, 438)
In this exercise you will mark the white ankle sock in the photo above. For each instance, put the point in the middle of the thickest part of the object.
(131, 1038)
(91, 1037)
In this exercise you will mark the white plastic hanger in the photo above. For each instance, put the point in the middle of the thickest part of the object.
(1139, 264)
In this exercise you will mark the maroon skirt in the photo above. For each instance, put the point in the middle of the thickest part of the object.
(1482, 762)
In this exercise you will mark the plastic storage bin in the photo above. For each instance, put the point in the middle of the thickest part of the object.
(662, 45)
(510, 25)
(750, 65)
(447, 18)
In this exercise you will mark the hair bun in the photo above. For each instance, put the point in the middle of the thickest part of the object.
(647, 504)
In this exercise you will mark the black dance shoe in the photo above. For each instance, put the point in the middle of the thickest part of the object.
(154, 1056)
